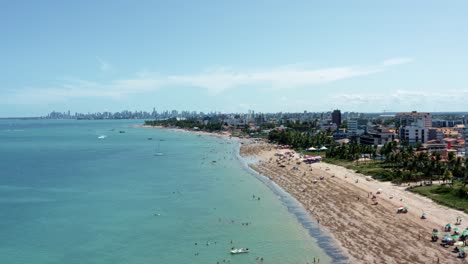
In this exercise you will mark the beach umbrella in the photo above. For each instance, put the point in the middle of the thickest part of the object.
(455, 236)
(465, 233)
(406, 208)
(449, 225)
(323, 148)
(456, 229)
(311, 148)
(464, 249)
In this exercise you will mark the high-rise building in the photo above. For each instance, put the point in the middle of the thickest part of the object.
(352, 126)
(336, 117)
(415, 133)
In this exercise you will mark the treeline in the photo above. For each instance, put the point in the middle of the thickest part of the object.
(411, 164)
(399, 162)
(351, 151)
(298, 139)
(186, 124)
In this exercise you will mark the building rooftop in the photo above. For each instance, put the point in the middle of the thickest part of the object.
(414, 113)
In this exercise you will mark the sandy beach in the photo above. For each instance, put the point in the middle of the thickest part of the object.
(341, 203)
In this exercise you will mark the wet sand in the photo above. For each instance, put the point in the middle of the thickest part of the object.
(341, 203)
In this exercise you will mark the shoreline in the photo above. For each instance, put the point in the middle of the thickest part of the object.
(340, 201)
(358, 232)
(325, 240)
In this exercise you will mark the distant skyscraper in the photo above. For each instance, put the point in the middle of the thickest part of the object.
(336, 117)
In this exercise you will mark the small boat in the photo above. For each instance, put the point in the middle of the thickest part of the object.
(158, 151)
(239, 250)
(121, 131)
(150, 138)
(103, 136)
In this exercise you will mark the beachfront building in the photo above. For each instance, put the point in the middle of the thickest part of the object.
(352, 126)
(409, 118)
(378, 136)
(433, 146)
(466, 142)
(414, 133)
(435, 134)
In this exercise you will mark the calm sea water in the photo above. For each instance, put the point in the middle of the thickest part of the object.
(67, 196)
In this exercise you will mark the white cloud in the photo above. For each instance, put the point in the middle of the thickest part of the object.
(404, 99)
(214, 81)
(397, 61)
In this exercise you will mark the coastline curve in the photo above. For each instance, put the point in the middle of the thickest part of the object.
(324, 240)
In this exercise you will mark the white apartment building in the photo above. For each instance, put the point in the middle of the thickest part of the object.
(415, 133)
(352, 125)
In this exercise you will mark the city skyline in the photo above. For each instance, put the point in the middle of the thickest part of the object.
(231, 57)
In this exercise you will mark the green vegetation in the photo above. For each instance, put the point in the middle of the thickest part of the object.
(187, 124)
(300, 140)
(400, 162)
(454, 196)
(351, 151)
(377, 169)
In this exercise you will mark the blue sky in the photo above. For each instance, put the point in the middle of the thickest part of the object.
(367, 56)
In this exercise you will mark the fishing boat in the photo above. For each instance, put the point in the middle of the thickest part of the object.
(239, 250)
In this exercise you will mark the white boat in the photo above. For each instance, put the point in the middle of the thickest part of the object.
(103, 136)
(158, 150)
(239, 250)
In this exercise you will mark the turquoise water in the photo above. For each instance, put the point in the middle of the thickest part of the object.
(68, 197)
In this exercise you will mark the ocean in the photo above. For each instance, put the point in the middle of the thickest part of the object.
(76, 191)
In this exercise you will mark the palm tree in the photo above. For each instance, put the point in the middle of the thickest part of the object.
(447, 176)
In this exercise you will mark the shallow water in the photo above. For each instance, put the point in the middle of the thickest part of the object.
(67, 196)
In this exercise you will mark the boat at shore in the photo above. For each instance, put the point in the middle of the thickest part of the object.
(239, 250)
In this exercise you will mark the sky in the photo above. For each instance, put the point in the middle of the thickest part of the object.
(232, 56)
